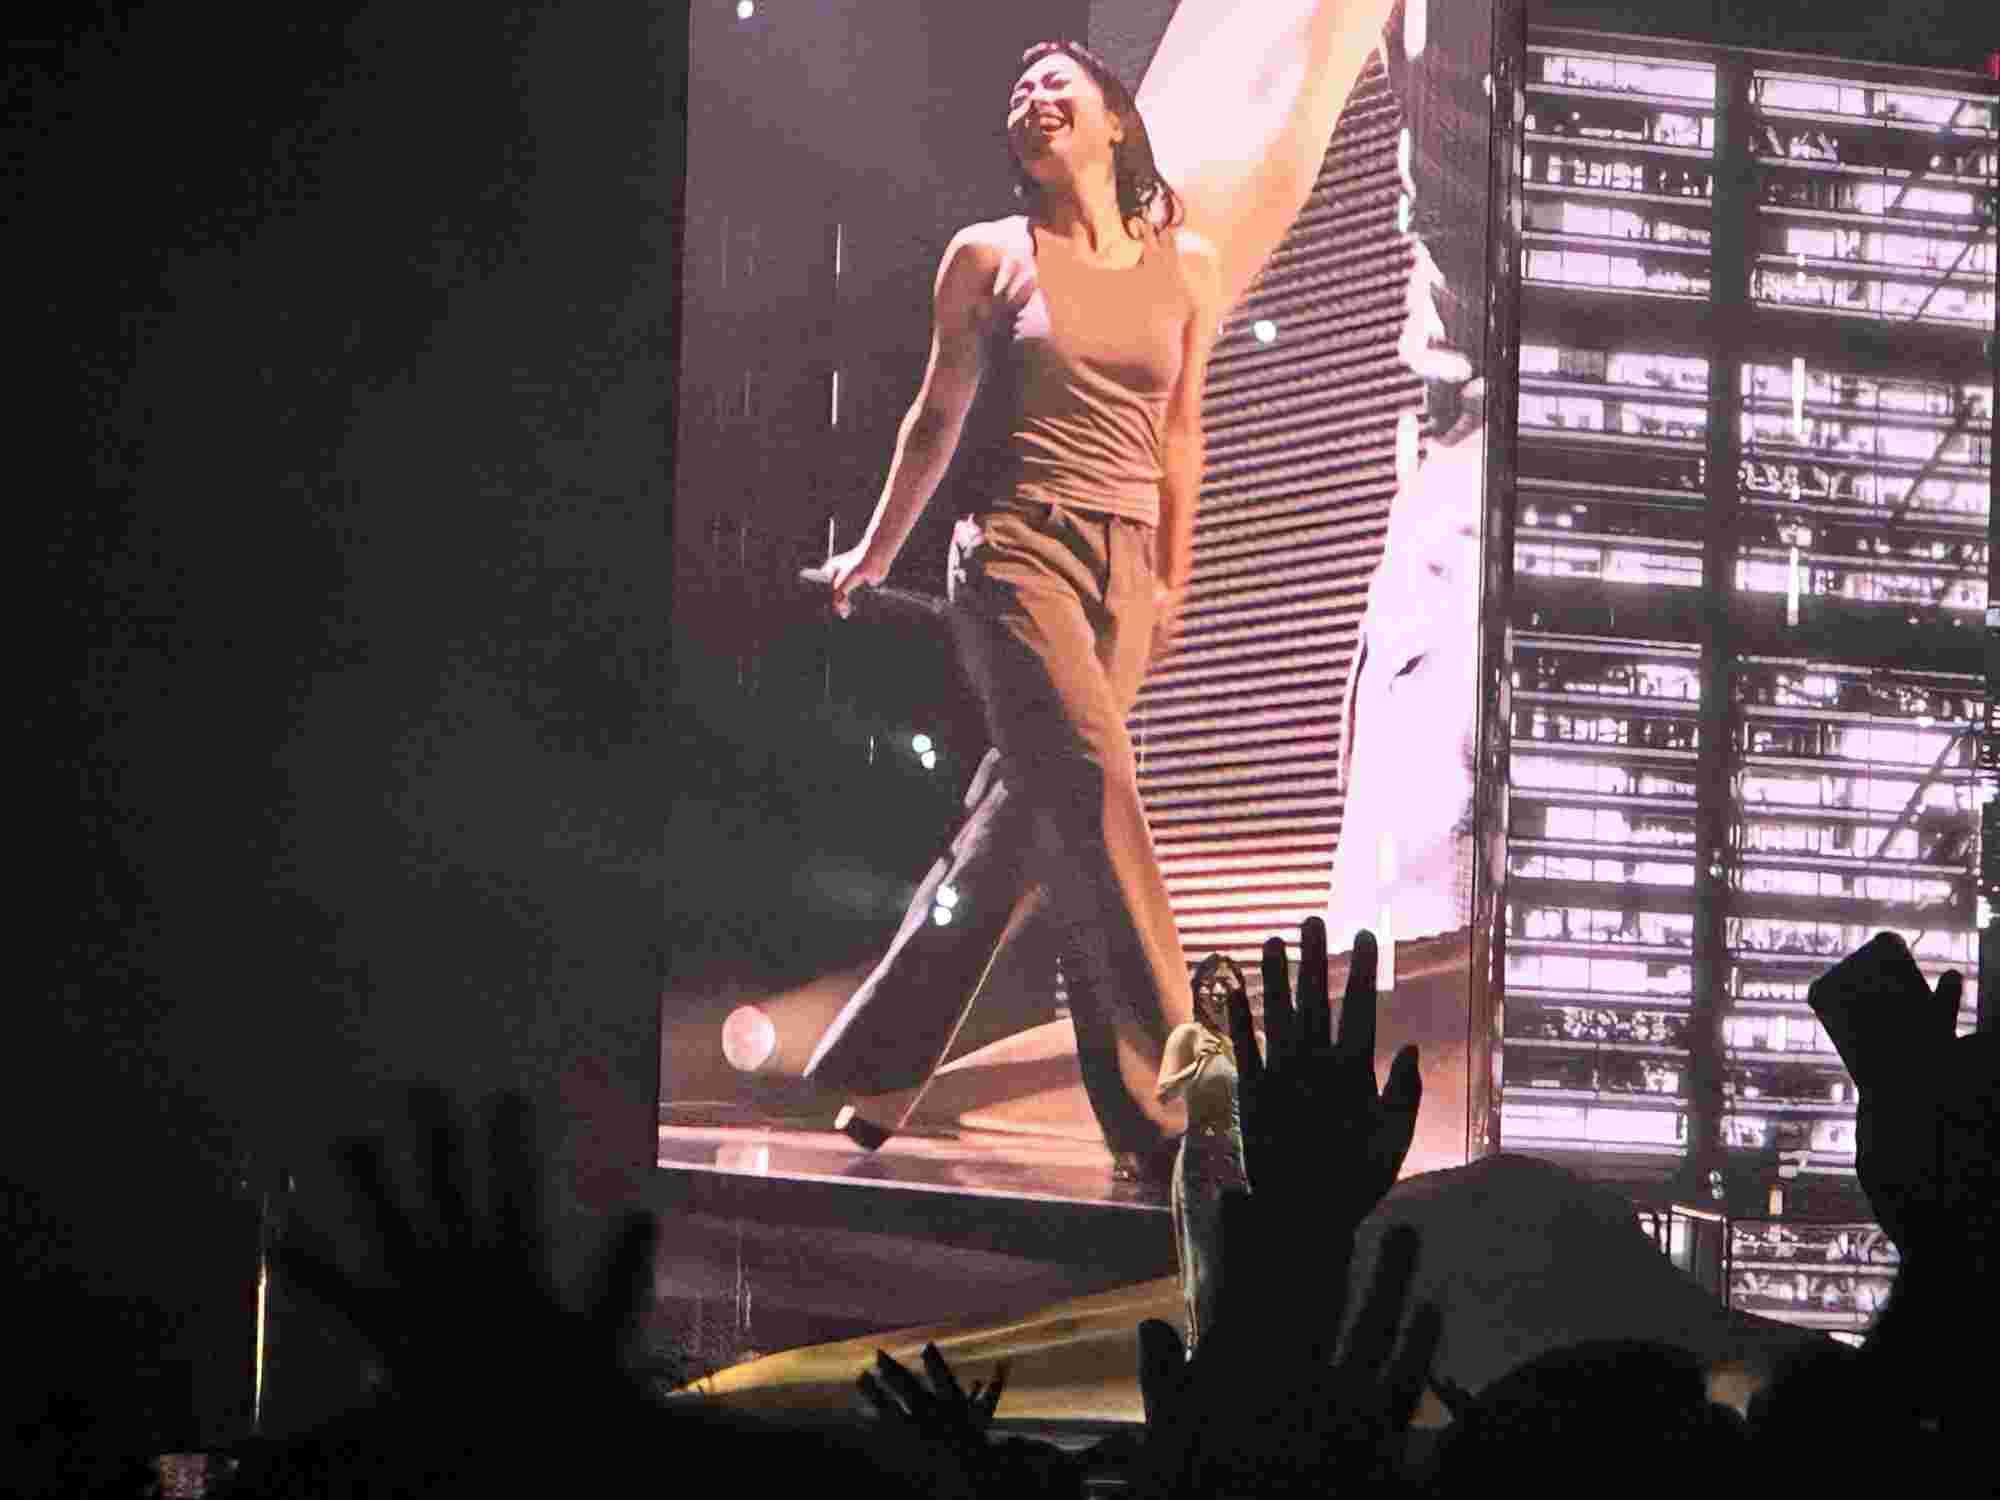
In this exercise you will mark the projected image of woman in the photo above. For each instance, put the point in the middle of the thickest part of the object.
(1098, 307)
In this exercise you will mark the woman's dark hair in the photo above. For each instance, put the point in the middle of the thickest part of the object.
(1140, 185)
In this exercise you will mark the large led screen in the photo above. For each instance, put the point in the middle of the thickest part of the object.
(957, 996)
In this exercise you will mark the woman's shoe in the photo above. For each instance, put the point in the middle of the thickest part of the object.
(861, 1130)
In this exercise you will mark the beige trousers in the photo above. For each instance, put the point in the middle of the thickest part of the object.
(1053, 610)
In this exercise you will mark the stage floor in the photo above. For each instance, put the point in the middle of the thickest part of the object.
(1010, 1117)
(1029, 1166)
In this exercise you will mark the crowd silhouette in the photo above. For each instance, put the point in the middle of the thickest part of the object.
(1292, 1391)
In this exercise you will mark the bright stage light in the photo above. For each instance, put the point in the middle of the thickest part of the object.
(748, 1039)
(745, 10)
(921, 743)
(941, 915)
(1264, 330)
(947, 896)
(929, 758)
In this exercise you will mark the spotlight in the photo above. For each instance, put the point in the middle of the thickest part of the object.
(941, 915)
(921, 743)
(1264, 330)
(929, 758)
(745, 10)
(748, 1039)
(947, 896)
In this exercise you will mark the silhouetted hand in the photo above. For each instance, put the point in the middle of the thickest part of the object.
(464, 1311)
(1264, 1407)
(1927, 1153)
(1320, 1145)
(1257, 1412)
(1918, 1150)
(946, 1415)
(952, 1424)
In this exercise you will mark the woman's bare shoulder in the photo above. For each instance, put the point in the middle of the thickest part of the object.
(995, 237)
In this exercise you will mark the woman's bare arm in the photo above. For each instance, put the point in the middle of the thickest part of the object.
(1183, 451)
(1240, 102)
(975, 279)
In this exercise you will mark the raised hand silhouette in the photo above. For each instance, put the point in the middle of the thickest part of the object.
(464, 1309)
(1257, 1412)
(946, 1414)
(1321, 1145)
(1927, 1154)
(948, 1426)
(1923, 1122)
(1264, 1405)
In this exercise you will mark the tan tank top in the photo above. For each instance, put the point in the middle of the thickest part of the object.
(1093, 357)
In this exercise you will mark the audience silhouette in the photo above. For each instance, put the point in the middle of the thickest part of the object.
(493, 1382)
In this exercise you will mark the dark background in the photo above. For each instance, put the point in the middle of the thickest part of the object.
(344, 341)
(349, 341)
(350, 338)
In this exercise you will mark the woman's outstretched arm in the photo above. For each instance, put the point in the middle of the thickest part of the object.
(1182, 446)
(1240, 102)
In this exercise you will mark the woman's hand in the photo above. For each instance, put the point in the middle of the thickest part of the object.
(856, 568)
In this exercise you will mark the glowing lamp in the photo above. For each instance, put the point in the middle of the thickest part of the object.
(748, 1039)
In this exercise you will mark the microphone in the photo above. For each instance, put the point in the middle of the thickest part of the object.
(881, 597)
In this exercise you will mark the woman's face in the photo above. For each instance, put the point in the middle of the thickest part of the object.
(1057, 119)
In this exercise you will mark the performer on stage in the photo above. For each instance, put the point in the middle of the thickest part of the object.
(1200, 1067)
(1098, 306)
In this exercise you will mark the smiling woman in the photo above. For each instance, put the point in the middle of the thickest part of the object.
(1096, 313)
(1096, 309)
(1043, 110)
